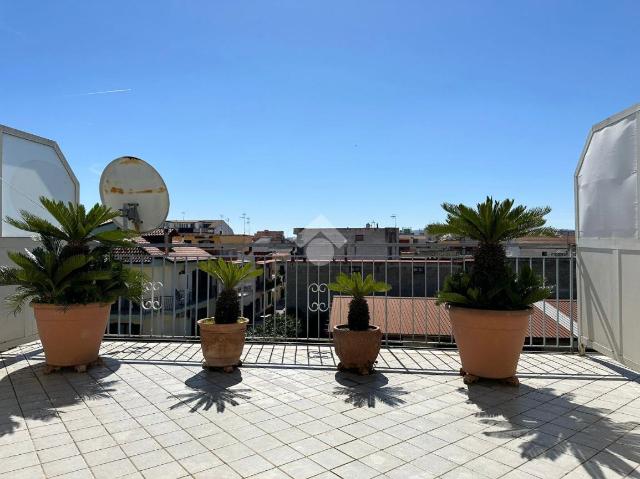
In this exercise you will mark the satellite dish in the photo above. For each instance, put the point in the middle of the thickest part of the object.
(133, 187)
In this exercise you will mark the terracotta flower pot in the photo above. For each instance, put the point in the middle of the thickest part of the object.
(71, 335)
(489, 342)
(222, 343)
(357, 349)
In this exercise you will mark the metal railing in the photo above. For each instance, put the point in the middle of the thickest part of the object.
(291, 300)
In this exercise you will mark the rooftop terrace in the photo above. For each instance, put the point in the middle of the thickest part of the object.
(151, 411)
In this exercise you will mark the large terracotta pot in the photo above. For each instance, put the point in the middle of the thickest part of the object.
(222, 343)
(71, 335)
(489, 342)
(357, 349)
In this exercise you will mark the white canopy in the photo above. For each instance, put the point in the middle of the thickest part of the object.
(607, 189)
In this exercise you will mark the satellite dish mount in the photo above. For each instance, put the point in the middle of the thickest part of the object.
(135, 189)
(129, 212)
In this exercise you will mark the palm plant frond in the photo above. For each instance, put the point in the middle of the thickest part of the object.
(493, 221)
(72, 264)
(491, 285)
(358, 287)
(229, 273)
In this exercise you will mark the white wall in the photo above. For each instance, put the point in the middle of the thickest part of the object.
(20, 328)
(29, 170)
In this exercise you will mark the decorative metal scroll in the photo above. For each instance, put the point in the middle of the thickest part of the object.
(152, 303)
(318, 289)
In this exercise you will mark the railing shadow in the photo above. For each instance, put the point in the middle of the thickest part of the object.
(212, 389)
(581, 431)
(26, 394)
(368, 391)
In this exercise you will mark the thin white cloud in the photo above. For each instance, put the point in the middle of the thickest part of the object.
(105, 92)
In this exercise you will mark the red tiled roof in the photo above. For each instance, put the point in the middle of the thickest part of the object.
(142, 253)
(395, 317)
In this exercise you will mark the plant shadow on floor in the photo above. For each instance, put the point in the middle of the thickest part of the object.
(368, 390)
(28, 396)
(212, 389)
(546, 424)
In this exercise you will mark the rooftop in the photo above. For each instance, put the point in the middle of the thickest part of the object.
(152, 411)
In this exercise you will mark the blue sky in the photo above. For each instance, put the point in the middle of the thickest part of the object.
(354, 110)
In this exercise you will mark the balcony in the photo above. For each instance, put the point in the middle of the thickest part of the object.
(292, 295)
(151, 411)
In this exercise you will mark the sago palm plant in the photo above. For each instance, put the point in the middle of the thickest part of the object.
(230, 275)
(491, 284)
(77, 228)
(73, 264)
(358, 287)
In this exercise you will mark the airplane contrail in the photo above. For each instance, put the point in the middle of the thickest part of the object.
(124, 90)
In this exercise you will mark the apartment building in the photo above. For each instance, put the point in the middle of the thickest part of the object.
(338, 243)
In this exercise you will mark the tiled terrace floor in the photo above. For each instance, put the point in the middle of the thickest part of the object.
(152, 412)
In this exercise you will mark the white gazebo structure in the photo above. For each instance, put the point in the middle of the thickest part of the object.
(31, 167)
(607, 194)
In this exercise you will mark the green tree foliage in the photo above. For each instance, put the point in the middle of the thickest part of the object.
(358, 287)
(278, 327)
(491, 283)
(73, 264)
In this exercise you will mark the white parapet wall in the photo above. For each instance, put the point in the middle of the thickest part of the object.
(31, 167)
(607, 193)
(17, 328)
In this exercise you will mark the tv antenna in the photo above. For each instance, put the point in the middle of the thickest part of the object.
(133, 187)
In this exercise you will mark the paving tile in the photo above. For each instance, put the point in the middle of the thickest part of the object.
(455, 453)
(140, 447)
(281, 455)
(16, 449)
(219, 472)
(434, 464)
(460, 472)
(251, 465)
(488, 467)
(31, 472)
(335, 437)
(171, 470)
(95, 444)
(58, 452)
(200, 462)
(79, 474)
(382, 461)
(302, 468)
(233, 452)
(547, 428)
(20, 461)
(356, 470)
(64, 466)
(52, 441)
(357, 449)
(407, 471)
(331, 458)
(218, 440)
(309, 446)
(187, 449)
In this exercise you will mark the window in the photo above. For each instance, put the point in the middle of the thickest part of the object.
(359, 237)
